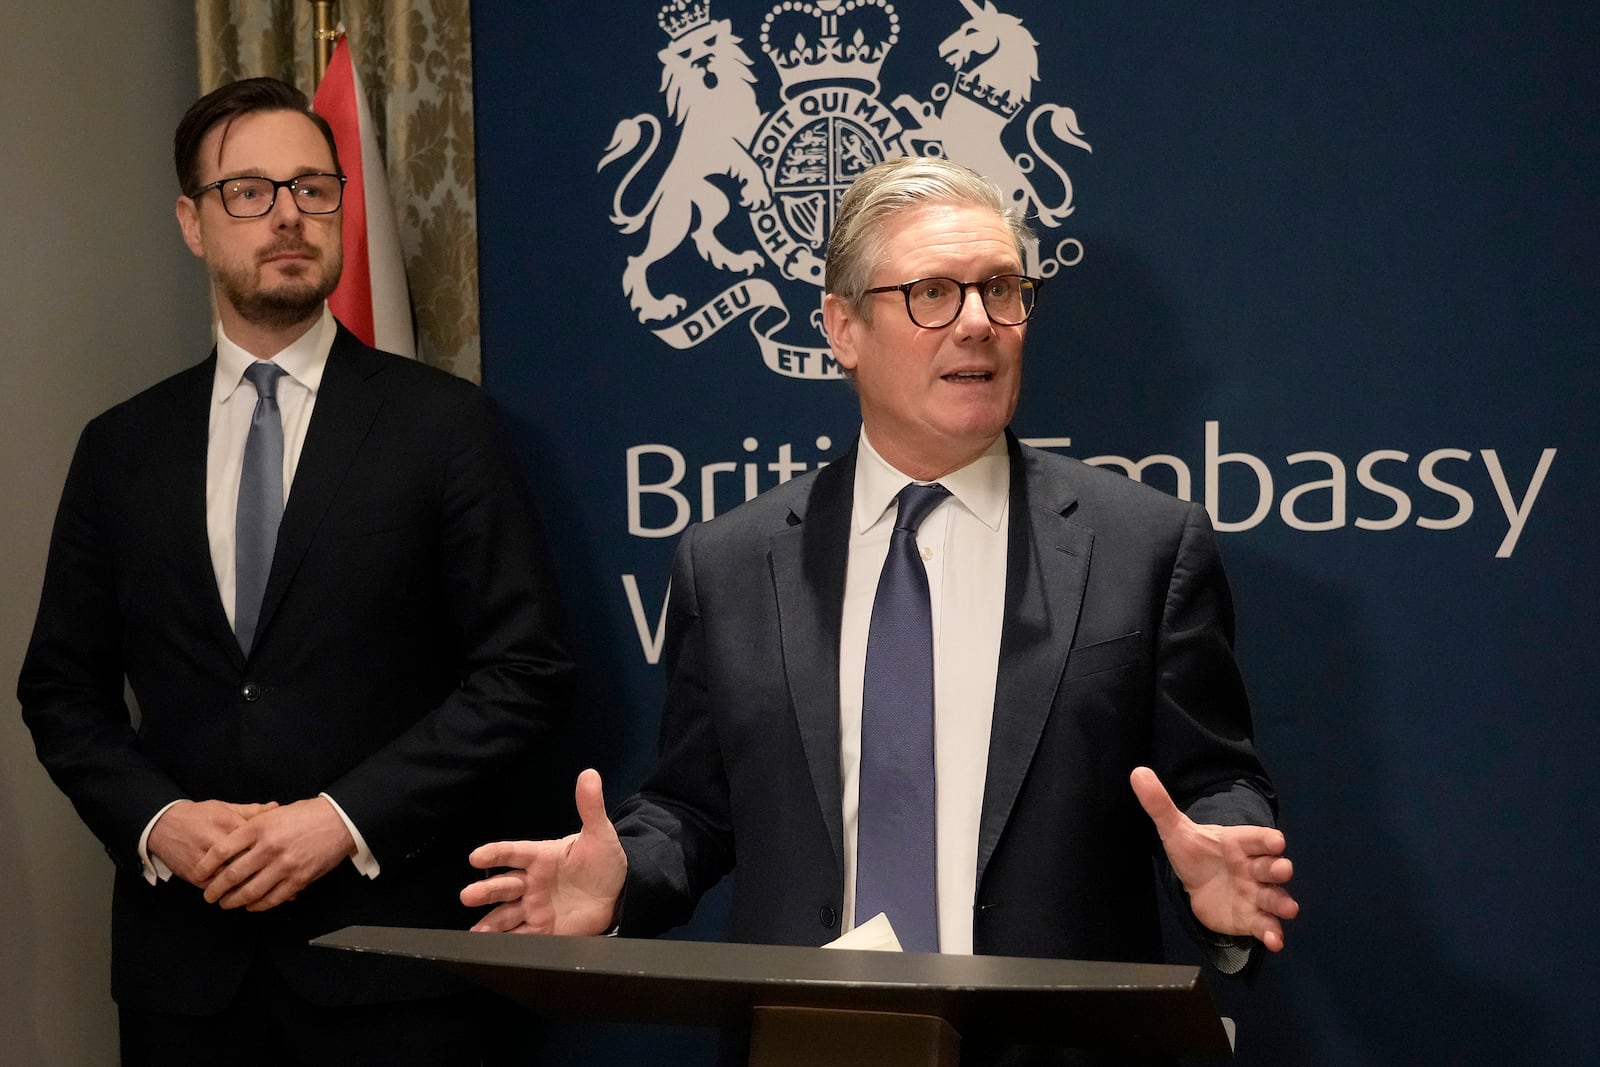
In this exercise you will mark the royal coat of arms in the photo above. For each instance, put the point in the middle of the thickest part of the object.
(786, 167)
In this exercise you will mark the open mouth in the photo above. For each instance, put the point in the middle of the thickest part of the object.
(962, 377)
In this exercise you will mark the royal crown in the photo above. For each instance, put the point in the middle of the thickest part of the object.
(681, 16)
(829, 41)
(970, 85)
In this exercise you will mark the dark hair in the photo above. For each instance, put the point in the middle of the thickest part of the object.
(223, 105)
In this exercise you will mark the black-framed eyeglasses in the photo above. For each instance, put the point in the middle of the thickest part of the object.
(251, 198)
(932, 303)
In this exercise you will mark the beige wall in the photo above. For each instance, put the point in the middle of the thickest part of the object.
(98, 298)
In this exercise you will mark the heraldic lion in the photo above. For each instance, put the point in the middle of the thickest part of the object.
(707, 82)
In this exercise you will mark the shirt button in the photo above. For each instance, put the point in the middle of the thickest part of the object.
(927, 555)
(251, 692)
(828, 916)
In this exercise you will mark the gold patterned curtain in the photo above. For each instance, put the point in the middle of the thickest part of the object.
(415, 61)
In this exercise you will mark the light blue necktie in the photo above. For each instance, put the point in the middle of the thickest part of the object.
(895, 826)
(260, 502)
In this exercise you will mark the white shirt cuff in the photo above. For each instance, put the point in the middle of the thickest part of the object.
(154, 870)
(364, 860)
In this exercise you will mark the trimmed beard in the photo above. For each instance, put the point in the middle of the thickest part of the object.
(290, 303)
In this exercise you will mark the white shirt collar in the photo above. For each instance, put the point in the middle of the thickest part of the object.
(982, 486)
(304, 360)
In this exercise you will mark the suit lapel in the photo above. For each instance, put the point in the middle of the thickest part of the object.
(808, 570)
(347, 402)
(1047, 567)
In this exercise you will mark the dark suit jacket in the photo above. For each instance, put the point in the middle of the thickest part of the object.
(407, 663)
(1116, 651)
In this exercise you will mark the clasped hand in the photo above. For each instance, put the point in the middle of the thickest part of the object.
(252, 856)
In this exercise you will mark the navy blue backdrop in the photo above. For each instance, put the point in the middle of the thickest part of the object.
(1331, 269)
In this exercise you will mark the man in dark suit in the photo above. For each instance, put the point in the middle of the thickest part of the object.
(324, 711)
(1081, 636)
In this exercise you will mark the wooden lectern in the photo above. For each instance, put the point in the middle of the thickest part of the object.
(836, 1006)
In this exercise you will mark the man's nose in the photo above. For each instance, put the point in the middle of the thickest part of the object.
(285, 208)
(973, 318)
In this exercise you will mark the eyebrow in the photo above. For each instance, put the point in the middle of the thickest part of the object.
(977, 275)
(256, 172)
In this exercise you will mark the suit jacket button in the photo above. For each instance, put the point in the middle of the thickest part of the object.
(828, 916)
(251, 692)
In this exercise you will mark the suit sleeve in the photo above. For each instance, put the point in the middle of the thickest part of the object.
(500, 606)
(1202, 736)
(72, 681)
(677, 830)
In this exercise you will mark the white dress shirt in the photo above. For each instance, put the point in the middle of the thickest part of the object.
(233, 401)
(963, 544)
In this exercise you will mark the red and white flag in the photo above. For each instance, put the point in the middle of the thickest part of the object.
(372, 298)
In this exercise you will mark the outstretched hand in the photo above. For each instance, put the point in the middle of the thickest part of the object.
(568, 886)
(1234, 874)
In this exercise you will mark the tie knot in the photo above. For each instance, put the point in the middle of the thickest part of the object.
(916, 501)
(264, 376)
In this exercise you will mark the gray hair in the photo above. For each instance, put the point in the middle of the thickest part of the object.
(856, 245)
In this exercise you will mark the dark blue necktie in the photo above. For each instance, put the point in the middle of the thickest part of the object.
(895, 825)
(260, 502)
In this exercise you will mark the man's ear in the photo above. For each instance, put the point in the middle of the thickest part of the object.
(840, 321)
(189, 222)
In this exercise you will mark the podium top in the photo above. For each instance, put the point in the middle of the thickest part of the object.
(1017, 1000)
